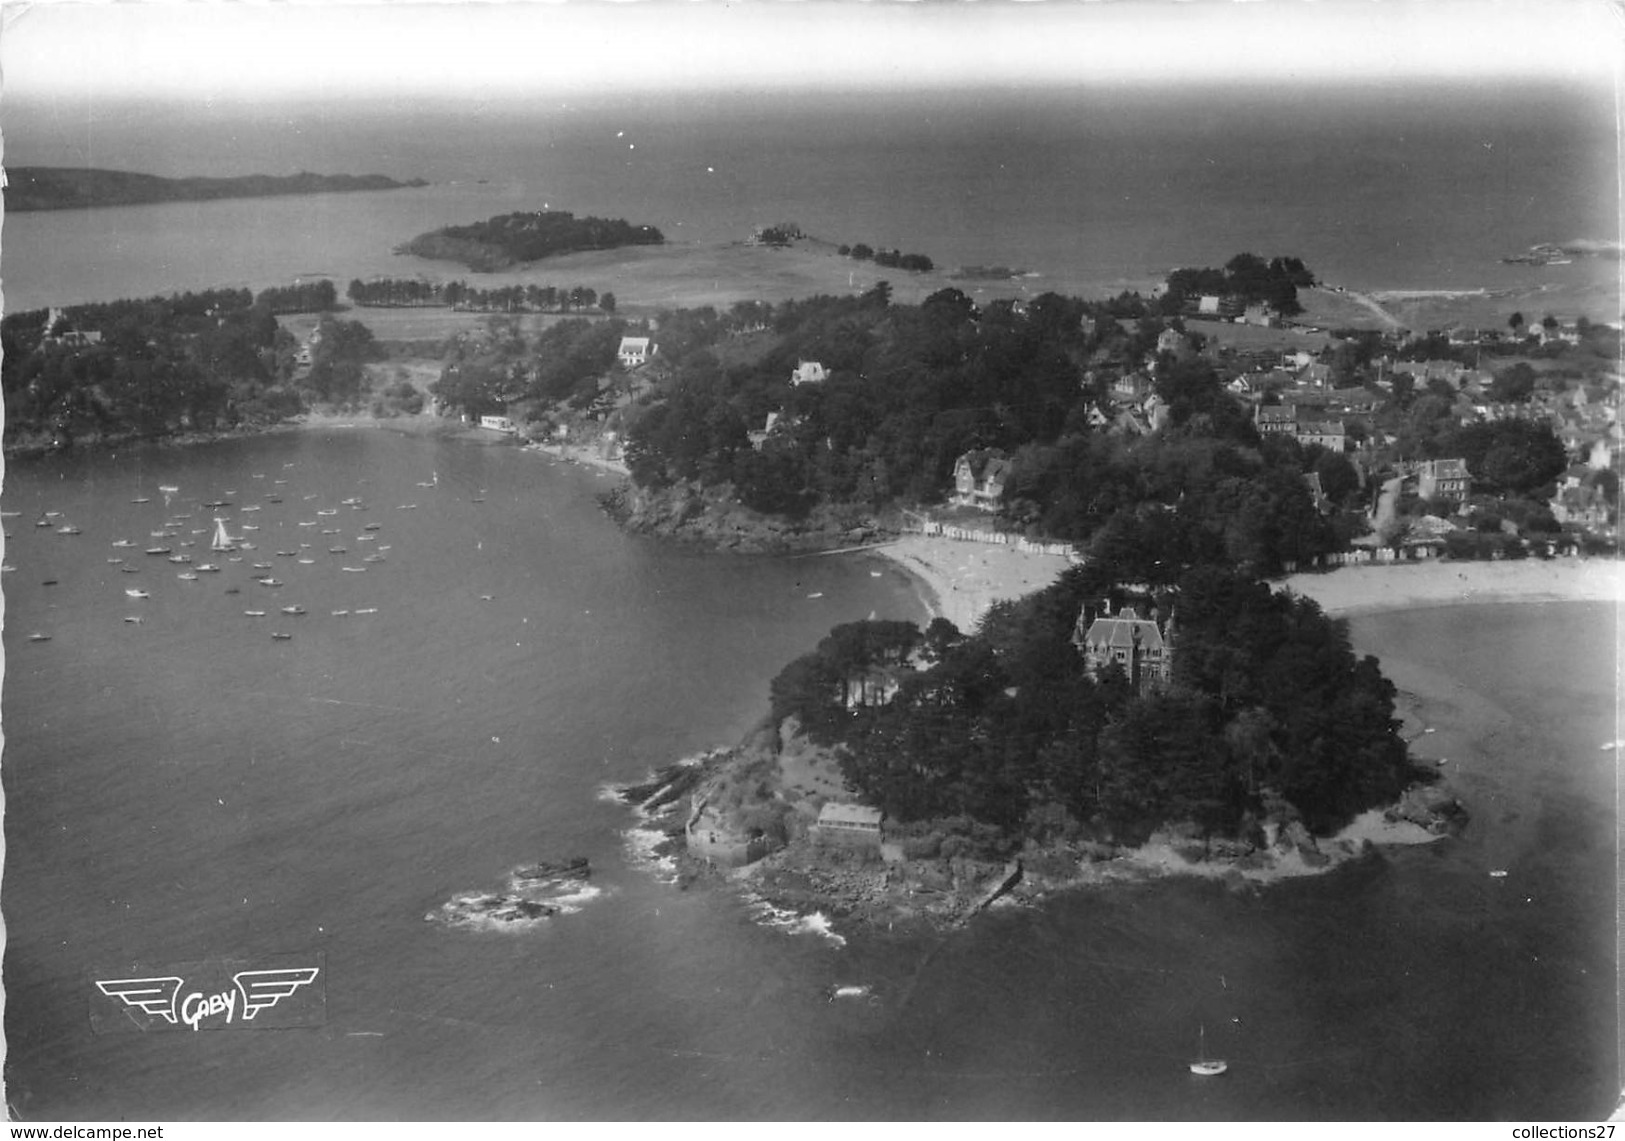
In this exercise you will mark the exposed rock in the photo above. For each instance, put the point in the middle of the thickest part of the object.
(574, 868)
(1430, 806)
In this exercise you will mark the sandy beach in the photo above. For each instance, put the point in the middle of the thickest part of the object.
(963, 579)
(1371, 589)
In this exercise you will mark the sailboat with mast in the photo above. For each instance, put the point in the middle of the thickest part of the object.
(222, 538)
(1204, 1066)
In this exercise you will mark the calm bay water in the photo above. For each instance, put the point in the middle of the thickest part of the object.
(187, 788)
(1410, 186)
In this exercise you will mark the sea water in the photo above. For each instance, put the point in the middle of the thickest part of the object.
(1415, 186)
(188, 788)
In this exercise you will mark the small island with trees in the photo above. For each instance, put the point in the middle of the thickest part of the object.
(513, 239)
(83, 188)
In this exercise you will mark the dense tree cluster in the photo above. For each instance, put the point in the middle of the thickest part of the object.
(150, 367)
(509, 239)
(1007, 725)
(563, 363)
(412, 293)
(338, 363)
(303, 297)
(890, 259)
(908, 389)
(1246, 277)
(911, 388)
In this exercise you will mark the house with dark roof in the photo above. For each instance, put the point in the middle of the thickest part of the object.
(1443, 479)
(979, 478)
(1141, 647)
(1329, 434)
(1272, 418)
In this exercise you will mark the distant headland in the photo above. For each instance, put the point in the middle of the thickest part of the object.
(83, 188)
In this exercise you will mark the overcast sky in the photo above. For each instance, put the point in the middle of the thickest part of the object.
(229, 50)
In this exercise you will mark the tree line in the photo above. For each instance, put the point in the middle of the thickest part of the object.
(387, 293)
(889, 259)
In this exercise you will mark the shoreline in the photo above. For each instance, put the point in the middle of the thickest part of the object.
(960, 579)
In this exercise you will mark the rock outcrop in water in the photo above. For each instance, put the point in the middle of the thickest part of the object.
(535, 892)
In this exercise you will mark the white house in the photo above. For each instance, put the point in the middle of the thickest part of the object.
(498, 424)
(808, 372)
(635, 351)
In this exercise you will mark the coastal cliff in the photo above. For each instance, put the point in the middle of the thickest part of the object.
(713, 517)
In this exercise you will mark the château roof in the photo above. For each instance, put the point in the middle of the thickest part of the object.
(1123, 632)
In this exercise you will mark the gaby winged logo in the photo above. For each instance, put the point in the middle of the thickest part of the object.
(164, 1001)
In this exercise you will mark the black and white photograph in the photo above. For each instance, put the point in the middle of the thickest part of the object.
(797, 562)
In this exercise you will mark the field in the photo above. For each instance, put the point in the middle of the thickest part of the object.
(648, 279)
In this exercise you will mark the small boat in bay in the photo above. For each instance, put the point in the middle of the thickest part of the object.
(159, 550)
(137, 594)
(122, 543)
(293, 610)
(39, 637)
(187, 576)
(279, 636)
(255, 613)
(1205, 1067)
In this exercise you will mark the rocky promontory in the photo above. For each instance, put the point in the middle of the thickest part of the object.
(748, 818)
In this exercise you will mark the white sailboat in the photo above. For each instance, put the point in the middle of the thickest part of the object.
(1205, 1066)
(222, 540)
